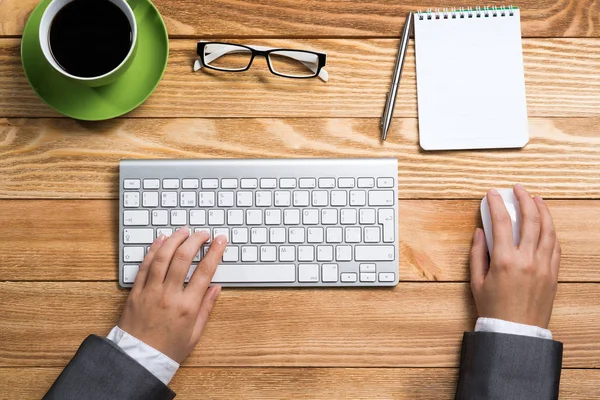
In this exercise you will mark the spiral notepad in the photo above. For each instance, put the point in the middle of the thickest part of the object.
(470, 80)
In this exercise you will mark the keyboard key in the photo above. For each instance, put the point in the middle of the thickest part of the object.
(348, 216)
(306, 253)
(131, 184)
(367, 216)
(268, 183)
(249, 254)
(338, 198)
(130, 272)
(283, 199)
(386, 218)
(225, 199)
(343, 253)
(334, 235)
(249, 183)
(160, 217)
(287, 253)
(291, 217)
(385, 182)
(131, 199)
(221, 232)
(358, 198)
(272, 217)
(150, 199)
(367, 267)
(169, 199)
(268, 253)
(197, 217)
(320, 198)
(329, 216)
(215, 217)
(372, 234)
(348, 277)
(210, 183)
(258, 235)
(231, 254)
(307, 183)
(287, 183)
(190, 183)
(254, 217)
(192, 268)
(170, 183)
(310, 216)
(235, 217)
(178, 217)
(387, 277)
(329, 273)
(206, 199)
(207, 230)
(277, 235)
(244, 199)
(229, 183)
(326, 183)
(151, 184)
(353, 234)
(133, 254)
(374, 253)
(381, 198)
(346, 183)
(301, 198)
(138, 236)
(367, 277)
(296, 235)
(366, 182)
(255, 273)
(164, 231)
(239, 235)
(324, 253)
(315, 235)
(308, 272)
(187, 199)
(263, 199)
(137, 217)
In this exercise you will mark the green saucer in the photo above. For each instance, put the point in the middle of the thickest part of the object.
(94, 104)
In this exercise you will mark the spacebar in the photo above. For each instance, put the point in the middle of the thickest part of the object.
(255, 273)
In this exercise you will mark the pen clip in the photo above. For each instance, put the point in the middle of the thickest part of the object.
(385, 108)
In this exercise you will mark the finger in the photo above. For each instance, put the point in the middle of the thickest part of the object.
(206, 269)
(142, 275)
(530, 221)
(478, 260)
(555, 261)
(163, 257)
(208, 303)
(547, 231)
(183, 259)
(501, 222)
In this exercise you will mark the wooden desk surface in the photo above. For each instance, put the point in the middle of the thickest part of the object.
(58, 207)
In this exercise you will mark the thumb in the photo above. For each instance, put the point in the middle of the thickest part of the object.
(208, 302)
(478, 259)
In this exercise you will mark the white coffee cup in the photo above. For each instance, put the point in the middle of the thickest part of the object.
(53, 8)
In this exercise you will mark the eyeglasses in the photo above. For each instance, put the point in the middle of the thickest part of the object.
(282, 62)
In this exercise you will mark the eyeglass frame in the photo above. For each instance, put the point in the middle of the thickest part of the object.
(322, 59)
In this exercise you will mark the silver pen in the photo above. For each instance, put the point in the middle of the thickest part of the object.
(390, 100)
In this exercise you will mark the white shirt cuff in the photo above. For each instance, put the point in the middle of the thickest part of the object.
(160, 365)
(513, 328)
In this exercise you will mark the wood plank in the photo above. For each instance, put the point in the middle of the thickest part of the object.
(302, 383)
(547, 18)
(77, 240)
(562, 79)
(411, 325)
(63, 158)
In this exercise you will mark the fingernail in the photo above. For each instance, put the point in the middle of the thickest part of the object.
(476, 235)
(518, 185)
(217, 293)
(494, 192)
(539, 198)
(221, 239)
(161, 238)
(184, 230)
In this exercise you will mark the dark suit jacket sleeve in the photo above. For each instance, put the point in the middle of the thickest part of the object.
(101, 370)
(503, 366)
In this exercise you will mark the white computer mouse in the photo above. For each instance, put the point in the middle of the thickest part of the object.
(512, 205)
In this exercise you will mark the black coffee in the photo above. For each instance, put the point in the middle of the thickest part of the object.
(90, 38)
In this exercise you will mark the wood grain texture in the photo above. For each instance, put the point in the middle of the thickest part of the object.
(62, 158)
(313, 18)
(77, 240)
(301, 383)
(562, 78)
(411, 325)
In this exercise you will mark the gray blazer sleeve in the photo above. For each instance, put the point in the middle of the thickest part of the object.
(101, 370)
(503, 366)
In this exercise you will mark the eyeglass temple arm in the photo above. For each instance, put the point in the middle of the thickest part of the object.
(221, 50)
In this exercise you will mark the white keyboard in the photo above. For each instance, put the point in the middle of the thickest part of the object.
(289, 222)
